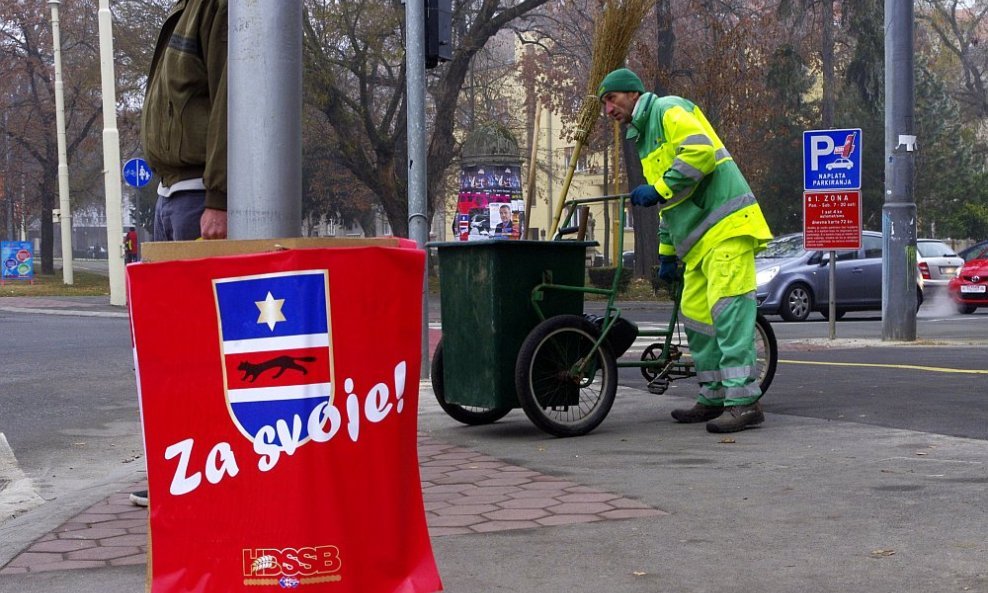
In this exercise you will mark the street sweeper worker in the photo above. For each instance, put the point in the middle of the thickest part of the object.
(709, 220)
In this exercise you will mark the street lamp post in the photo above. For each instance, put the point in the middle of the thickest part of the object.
(65, 212)
(111, 159)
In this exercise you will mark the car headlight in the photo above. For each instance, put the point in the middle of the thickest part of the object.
(765, 276)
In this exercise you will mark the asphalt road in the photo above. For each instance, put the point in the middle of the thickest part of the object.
(68, 403)
(934, 384)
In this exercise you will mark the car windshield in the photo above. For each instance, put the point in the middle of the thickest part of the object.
(788, 246)
(978, 254)
(934, 249)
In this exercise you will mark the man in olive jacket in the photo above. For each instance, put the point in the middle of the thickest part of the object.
(711, 222)
(183, 124)
(183, 127)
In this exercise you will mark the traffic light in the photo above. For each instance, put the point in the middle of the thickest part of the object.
(438, 32)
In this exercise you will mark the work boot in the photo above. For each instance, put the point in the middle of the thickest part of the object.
(698, 413)
(738, 418)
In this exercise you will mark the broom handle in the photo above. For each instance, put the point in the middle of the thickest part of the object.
(569, 179)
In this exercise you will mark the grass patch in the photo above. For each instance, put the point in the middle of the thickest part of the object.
(84, 284)
(638, 289)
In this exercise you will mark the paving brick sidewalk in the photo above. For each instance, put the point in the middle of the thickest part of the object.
(464, 491)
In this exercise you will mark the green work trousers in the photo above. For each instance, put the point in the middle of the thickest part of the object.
(718, 310)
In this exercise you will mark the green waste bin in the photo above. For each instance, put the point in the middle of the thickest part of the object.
(485, 294)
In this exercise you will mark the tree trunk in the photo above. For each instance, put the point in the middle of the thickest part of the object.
(47, 231)
(646, 220)
(827, 59)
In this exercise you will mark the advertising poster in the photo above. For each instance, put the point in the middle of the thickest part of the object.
(16, 260)
(278, 396)
(483, 190)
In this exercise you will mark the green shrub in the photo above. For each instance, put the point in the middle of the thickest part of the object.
(604, 278)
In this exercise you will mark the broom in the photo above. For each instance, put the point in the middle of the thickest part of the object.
(614, 30)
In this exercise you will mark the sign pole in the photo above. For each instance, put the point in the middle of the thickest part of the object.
(833, 295)
(832, 198)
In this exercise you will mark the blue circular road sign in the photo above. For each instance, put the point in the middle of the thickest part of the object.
(137, 173)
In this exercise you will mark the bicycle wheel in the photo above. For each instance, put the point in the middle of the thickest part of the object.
(556, 396)
(471, 415)
(766, 352)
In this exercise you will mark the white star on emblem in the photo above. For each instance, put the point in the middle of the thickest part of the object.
(270, 309)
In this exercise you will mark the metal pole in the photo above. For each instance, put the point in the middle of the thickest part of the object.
(264, 74)
(832, 309)
(65, 208)
(899, 211)
(111, 159)
(418, 220)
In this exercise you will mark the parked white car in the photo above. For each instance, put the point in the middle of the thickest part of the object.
(937, 263)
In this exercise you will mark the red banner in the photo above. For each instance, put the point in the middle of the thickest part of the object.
(278, 399)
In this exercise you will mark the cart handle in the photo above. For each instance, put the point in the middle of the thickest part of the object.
(573, 204)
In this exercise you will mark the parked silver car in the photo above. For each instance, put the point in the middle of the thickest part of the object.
(793, 282)
(938, 263)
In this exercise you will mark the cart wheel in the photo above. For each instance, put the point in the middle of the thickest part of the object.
(471, 415)
(555, 397)
(766, 352)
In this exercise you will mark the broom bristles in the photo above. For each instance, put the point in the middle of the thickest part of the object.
(613, 34)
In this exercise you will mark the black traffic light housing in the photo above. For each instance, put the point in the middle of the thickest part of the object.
(438, 32)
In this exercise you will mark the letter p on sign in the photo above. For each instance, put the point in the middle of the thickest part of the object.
(820, 146)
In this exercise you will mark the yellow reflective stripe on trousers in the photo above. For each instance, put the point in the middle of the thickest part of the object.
(725, 302)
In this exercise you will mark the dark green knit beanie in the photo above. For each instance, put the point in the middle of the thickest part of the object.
(619, 80)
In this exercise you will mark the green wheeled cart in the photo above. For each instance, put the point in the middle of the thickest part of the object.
(487, 313)
(514, 335)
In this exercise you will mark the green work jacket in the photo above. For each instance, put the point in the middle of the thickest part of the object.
(707, 197)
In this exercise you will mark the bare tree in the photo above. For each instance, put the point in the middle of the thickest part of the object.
(355, 77)
(27, 97)
(962, 30)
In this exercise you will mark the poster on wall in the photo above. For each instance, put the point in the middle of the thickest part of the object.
(483, 192)
(16, 260)
(280, 436)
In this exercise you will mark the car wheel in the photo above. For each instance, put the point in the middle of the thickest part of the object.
(967, 309)
(919, 298)
(797, 303)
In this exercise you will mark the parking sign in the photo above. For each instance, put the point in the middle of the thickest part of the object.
(832, 159)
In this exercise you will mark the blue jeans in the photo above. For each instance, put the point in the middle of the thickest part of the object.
(176, 217)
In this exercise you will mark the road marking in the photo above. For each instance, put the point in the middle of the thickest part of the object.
(890, 366)
(19, 494)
